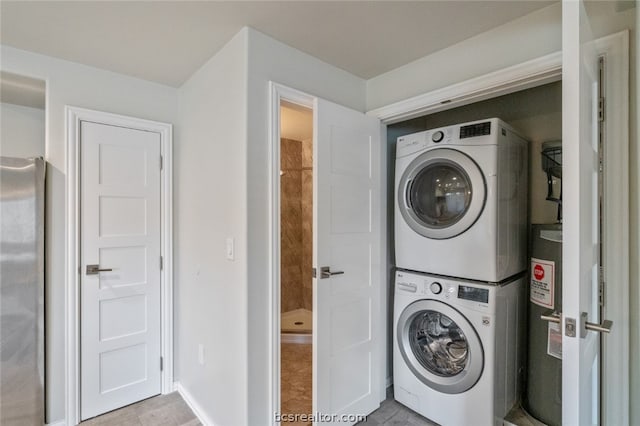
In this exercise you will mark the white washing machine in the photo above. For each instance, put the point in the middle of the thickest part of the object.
(458, 347)
(461, 201)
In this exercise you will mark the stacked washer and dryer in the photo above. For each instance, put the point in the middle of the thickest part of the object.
(461, 257)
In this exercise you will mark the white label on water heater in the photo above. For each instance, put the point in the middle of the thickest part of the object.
(542, 282)
(554, 340)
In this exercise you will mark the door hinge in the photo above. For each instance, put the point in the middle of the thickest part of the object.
(161, 161)
(161, 263)
(601, 285)
(601, 101)
(313, 273)
(161, 363)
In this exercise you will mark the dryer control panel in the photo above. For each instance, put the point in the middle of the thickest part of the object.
(409, 144)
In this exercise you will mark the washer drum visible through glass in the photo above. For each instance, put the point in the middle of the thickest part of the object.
(440, 346)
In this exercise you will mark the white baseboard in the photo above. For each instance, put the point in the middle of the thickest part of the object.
(58, 423)
(195, 407)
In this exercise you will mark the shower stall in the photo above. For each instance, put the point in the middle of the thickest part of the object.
(296, 227)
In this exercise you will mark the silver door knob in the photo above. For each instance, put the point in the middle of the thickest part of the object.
(604, 327)
(325, 272)
(95, 269)
(552, 317)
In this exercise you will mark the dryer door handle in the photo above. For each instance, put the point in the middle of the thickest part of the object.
(407, 196)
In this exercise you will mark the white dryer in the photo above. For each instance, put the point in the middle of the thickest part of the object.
(461, 201)
(458, 347)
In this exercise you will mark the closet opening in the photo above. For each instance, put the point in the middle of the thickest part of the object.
(533, 385)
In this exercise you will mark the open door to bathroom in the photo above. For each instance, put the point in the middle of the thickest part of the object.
(327, 217)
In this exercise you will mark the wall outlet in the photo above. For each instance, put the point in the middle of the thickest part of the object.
(230, 249)
(201, 354)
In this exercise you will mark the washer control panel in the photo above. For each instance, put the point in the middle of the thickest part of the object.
(456, 292)
(474, 294)
(437, 136)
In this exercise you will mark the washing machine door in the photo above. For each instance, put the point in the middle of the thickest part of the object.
(441, 193)
(440, 346)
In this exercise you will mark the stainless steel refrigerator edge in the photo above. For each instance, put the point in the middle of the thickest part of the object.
(22, 291)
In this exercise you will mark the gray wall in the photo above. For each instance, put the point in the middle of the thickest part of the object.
(209, 207)
(22, 131)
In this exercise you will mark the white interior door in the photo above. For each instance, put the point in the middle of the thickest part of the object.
(347, 235)
(120, 232)
(580, 274)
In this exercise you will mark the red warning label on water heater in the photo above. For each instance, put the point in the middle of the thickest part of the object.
(542, 282)
(538, 272)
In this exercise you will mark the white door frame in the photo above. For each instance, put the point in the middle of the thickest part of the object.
(278, 93)
(536, 72)
(74, 117)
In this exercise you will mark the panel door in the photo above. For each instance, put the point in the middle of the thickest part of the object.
(347, 240)
(580, 273)
(120, 236)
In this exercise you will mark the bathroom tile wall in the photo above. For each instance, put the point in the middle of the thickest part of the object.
(290, 225)
(296, 224)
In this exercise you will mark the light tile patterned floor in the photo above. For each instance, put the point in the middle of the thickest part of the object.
(296, 379)
(163, 410)
(171, 410)
(393, 413)
(296, 388)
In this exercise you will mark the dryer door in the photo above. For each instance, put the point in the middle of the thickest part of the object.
(441, 193)
(440, 346)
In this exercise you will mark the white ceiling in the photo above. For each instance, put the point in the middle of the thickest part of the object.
(166, 41)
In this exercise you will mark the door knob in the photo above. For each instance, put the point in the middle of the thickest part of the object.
(325, 272)
(552, 317)
(604, 327)
(95, 269)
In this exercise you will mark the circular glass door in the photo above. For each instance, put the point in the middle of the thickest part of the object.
(440, 346)
(441, 193)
